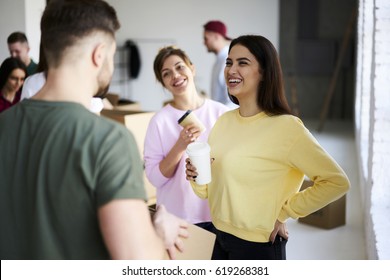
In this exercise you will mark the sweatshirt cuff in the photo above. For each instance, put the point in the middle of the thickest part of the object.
(199, 190)
(283, 216)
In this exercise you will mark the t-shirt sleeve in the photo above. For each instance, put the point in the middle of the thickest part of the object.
(120, 170)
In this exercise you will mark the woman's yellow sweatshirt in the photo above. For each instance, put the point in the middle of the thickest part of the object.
(259, 166)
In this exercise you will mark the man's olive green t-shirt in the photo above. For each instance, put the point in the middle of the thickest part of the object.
(58, 164)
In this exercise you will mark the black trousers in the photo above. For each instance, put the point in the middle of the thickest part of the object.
(207, 226)
(230, 247)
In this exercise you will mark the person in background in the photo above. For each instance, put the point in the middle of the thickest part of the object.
(72, 182)
(261, 154)
(18, 47)
(35, 82)
(217, 42)
(12, 75)
(166, 141)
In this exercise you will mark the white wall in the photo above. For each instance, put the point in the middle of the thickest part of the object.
(372, 122)
(155, 23)
(33, 13)
(11, 19)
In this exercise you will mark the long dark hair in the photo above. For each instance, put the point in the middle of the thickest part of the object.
(270, 96)
(9, 65)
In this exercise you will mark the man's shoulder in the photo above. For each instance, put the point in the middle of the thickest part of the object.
(112, 125)
(223, 53)
(32, 68)
(72, 115)
(33, 63)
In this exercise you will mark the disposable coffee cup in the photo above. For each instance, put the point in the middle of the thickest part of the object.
(190, 118)
(199, 154)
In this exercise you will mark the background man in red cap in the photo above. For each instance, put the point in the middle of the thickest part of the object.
(216, 41)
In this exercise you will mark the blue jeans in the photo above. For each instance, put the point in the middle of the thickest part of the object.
(230, 247)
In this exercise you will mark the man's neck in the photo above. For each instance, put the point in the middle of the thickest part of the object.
(27, 61)
(66, 85)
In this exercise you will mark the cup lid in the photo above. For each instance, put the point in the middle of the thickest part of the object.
(184, 116)
(198, 148)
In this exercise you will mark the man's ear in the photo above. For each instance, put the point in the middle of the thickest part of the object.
(98, 54)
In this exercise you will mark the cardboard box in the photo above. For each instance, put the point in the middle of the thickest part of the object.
(123, 116)
(331, 216)
(137, 122)
(198, 246)
(122, 104)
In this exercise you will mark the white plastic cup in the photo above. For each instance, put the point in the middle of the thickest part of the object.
(199, 154)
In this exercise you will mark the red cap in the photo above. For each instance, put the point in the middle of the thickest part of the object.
(218, 27)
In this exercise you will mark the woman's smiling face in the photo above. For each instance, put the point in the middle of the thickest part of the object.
(176, 74)
(242, 73)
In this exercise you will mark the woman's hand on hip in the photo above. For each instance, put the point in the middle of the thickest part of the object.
(279, 228)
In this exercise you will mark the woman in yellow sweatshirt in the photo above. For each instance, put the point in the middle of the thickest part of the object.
(261, 154)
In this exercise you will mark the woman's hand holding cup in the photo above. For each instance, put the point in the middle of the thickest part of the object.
(189, 134)
(198, 167)
(191, 173)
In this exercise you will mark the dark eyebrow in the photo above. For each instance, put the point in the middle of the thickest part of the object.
(239, 59)
(162, 70)
(243, 58)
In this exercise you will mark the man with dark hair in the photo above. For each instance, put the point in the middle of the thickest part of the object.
(71, 181)
(18, 47)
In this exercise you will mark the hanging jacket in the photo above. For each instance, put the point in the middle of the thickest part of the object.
(134, 59)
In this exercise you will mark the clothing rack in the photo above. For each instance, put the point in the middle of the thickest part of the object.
(120, 79)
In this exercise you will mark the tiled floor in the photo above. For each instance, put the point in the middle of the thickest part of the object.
(345, 242)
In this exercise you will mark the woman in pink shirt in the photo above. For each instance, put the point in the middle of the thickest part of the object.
(166, 141)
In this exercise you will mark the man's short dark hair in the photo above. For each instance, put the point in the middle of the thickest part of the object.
(64, 22)
(17, 37)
